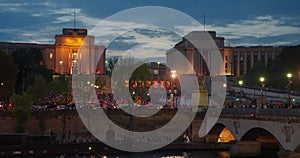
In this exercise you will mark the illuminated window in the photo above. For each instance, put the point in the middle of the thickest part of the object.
(60, 62)
(51, 55)
(75, 56)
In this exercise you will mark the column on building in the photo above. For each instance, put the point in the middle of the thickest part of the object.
(252, 59)
(245, 63)
(238, 64)
(231, 63)
(266, 58)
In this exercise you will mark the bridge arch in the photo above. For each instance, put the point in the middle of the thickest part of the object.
(262, 135)
(282, 132)
(220, 133)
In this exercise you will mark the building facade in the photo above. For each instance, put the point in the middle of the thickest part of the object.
(74, 51)
(196, 61)
(236, 60)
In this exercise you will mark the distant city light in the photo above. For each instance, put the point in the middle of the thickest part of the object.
(261, 79)
(224, 85)
(241, 82)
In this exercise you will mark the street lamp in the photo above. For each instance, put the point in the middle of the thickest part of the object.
(173, 75)
(262, 80)
(158, 79)
(289, 76)
(241, 82)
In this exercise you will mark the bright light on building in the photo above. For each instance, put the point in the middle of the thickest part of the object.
(173, 74)
(224, 85)
(261, 79)
(241, 82)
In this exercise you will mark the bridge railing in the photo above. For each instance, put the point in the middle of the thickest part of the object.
(267, 112)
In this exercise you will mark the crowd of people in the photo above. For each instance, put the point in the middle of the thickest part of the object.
(106, 101)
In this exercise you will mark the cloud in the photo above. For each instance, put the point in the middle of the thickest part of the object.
(148, 44)
(53, 16)
(257, 27)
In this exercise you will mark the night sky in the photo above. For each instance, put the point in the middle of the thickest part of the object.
(255, 22)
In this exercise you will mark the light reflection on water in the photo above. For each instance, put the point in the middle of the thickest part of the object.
(158, 154)
(194, 154)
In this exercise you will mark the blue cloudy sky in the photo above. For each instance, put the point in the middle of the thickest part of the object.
(241, 22)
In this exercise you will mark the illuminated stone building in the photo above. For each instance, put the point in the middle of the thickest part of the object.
(237, 60)
(75, 52)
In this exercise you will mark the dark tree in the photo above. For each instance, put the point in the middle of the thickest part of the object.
(275, 72)
(39, 89)
(286, 62)
(8, 76)
(253, 75)
(21, 110)
(29, 61)
(61, 84)
(111, 65)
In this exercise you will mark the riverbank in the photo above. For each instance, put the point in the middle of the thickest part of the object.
(52, 150)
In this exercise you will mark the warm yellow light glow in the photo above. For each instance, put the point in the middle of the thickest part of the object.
(51, 55)
(289, 75)
(73, 41)
(60, 62)
(261, 79)
(241, 82)
(225, 136)
(173, 75)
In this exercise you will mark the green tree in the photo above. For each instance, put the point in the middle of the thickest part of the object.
(258, 70)
(21, 110)
(99, 82)
(139, 78)
(61, 85)
(39, 89)
(286, 62)
(30, 64)
(111, 65)
(275, 72)
(8, 76)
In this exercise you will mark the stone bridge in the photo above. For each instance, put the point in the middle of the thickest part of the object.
(281, 126)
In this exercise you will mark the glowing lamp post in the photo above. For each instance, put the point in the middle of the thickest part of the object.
(289, 76)
(173, 75)
(158, 79)
(262, 80)
(241, 82)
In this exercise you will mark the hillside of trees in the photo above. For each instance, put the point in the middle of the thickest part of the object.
(275, 73)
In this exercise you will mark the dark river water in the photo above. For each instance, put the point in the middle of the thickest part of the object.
(192, 154)
(172, 154)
